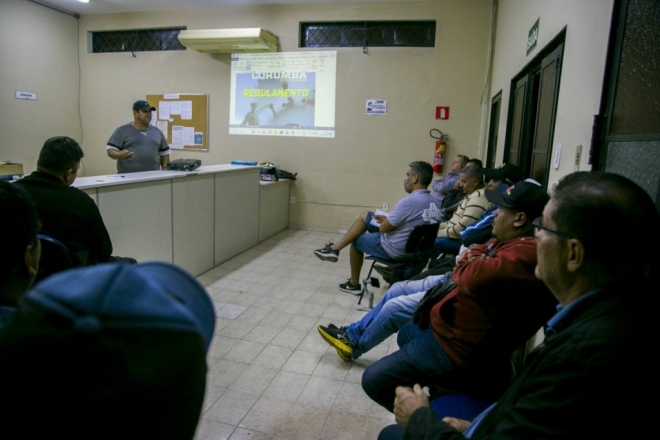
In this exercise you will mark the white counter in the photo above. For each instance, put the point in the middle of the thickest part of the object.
(195, 219)
(145, 176)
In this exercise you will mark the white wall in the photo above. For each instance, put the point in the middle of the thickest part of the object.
(38, 54)
(361, 168)
(587, 25)
(339, 178)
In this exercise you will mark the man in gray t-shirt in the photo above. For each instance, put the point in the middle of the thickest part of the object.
(388, 240)
(139, 146)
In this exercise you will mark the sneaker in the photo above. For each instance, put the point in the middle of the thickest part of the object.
(355, 289)
(338, 339)
(342, 356)
(327, 253)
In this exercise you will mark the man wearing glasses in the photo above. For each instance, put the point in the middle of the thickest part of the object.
(585, 379)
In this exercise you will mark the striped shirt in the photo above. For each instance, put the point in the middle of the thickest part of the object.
(470, 210)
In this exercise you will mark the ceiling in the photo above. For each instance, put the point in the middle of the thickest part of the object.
(111, 6)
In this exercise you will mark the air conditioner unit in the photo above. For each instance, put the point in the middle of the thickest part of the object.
(245, 40)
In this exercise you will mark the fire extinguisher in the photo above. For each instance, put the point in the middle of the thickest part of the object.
(440, 148)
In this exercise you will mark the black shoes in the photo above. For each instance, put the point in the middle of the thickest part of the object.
(355, 289)
(327, 253)
(338, 339)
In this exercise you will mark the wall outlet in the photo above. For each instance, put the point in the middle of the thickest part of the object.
(386, 206)
(293, 199)
(557, 156)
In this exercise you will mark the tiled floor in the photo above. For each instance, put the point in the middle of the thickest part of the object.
(271, 376)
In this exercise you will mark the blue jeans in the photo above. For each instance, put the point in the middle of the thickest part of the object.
(445, 246)
(420, 359)
(369, 243)
(390, 314)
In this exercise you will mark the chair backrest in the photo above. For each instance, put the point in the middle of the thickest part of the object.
(55, 257)
(422, 238)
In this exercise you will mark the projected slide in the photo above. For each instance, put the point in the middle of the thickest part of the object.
(283, 94)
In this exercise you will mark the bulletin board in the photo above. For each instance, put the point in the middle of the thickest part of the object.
(183, 119)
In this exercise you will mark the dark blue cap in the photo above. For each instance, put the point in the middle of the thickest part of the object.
(148, 295)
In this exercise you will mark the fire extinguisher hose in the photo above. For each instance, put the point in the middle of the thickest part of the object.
(437, 134)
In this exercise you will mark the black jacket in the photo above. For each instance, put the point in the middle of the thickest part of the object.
(71, 216)
(587, 380)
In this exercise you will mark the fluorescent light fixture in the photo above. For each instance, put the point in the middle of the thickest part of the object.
(83, 1)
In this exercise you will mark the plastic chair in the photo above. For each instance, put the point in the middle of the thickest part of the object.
(419, 243)
(55, 257)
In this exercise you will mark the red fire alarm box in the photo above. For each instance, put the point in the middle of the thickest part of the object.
(442, 113)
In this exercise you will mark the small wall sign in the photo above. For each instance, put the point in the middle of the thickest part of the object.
(533, 36)
(26, 95)
(376, 107)
(442, 113)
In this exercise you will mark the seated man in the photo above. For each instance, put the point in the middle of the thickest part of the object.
(450, 203)
(506, 174)
(108, 352)
(455, 196)
(495, 306)
(482, 232)
(387, 241)
(442, 186)
(67, 213)
(601, 331)
(477, 233)
(470, 210)
(19, 259)
(512, 253)
(476, 162)
(500, 179)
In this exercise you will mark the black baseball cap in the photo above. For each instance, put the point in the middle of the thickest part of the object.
(524, 196)
(507, 173)
(142, 105)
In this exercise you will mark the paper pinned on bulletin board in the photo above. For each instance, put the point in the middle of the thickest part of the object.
(183, 119)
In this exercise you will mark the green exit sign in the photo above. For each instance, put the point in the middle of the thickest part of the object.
(533, 37)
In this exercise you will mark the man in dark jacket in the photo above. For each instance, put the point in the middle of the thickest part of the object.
(21, 250)
(585, 380)
(67, 213)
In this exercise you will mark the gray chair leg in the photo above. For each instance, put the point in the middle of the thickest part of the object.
(371, 281)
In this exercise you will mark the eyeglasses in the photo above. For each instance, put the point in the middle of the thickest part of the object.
(538, 224)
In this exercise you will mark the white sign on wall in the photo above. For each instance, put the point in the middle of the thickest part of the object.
(376, 107)
(26, 95)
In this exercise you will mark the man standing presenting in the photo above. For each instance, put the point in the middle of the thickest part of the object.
(388, 240)
(443, 185)
(139, 146)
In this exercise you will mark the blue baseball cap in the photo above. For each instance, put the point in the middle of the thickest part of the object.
(109, 350)
(146, 295)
